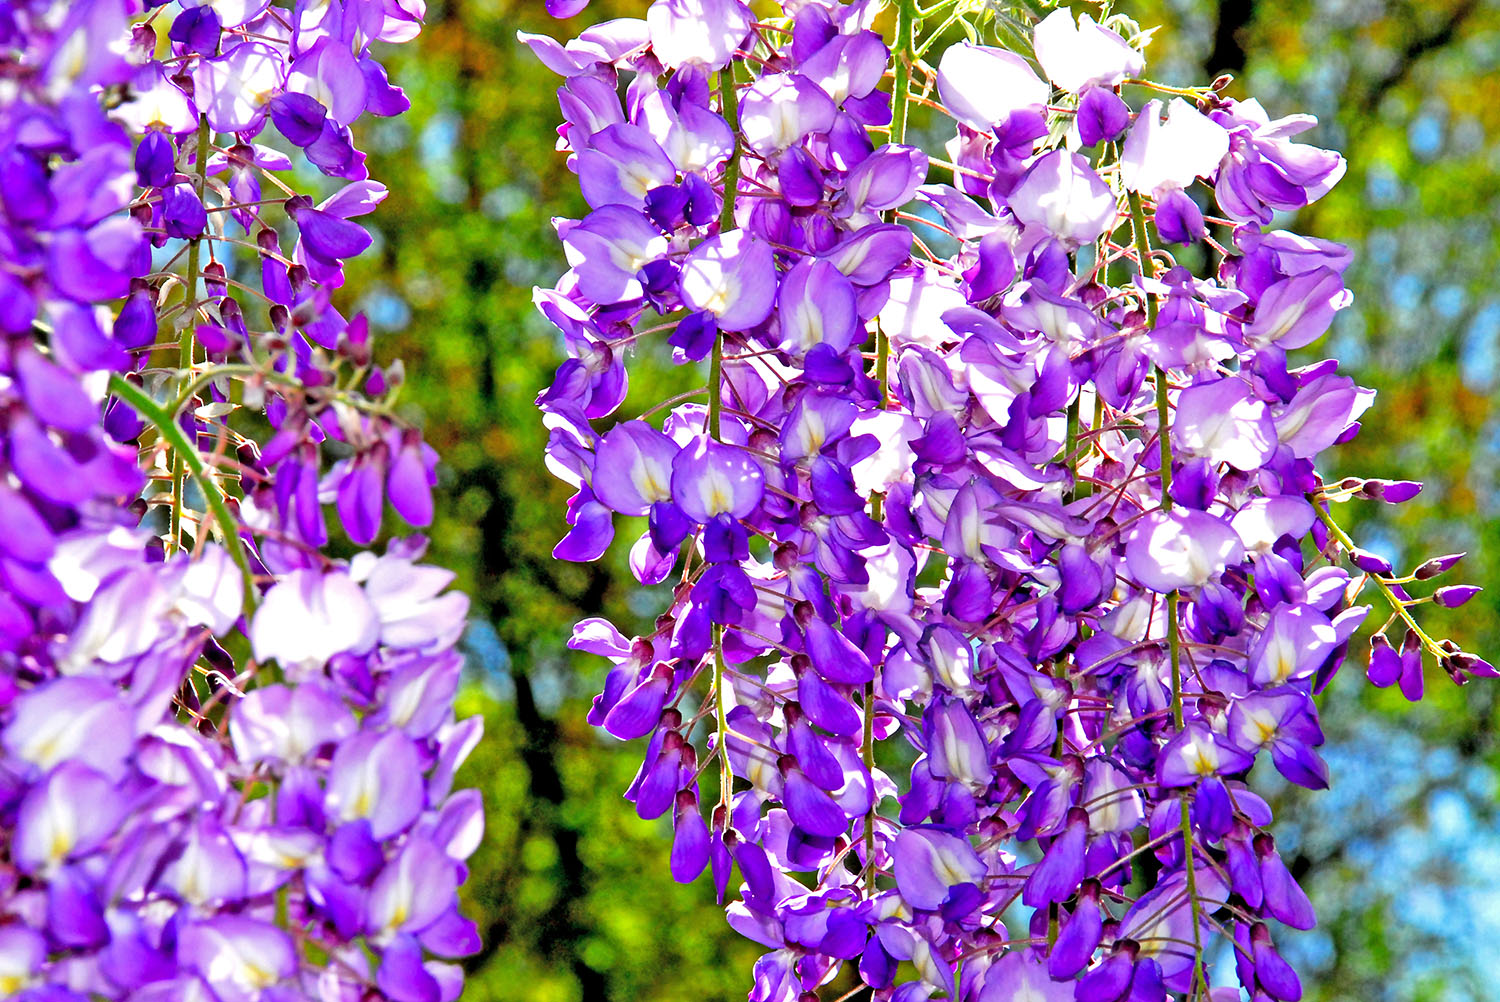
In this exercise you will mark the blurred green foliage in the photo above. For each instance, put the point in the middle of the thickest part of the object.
(570, 888)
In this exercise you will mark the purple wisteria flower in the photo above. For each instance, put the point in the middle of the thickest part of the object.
(1015, 502)
(983, 87)
(183, 822)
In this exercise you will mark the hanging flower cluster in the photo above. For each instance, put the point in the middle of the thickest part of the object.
(226, 759)
(998, 548)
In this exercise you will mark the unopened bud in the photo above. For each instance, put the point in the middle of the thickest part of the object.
(1437, 565)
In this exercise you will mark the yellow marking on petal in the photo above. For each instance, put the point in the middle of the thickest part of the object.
(61, 846)
(259, 977)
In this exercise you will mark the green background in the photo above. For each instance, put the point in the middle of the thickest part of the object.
(571, 889)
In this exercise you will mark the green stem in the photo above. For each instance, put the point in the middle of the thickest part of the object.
(867, 750)
(183, 450)
(936, 9)
(185, 352)
(902, 48)
(729, 108)
(1398, 607)
(203, 377)
(1194, 92)
(721, 712)
(1143, 250)
(938, 32)
(715, 378)
(1071, 449)
(1174, 640)
(1163, 409)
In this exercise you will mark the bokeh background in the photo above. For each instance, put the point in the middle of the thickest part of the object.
(1402, 857)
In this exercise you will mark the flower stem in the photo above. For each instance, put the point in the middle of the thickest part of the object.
(1070, 450)
(1160, 88)
(729, 108)
(185, 350)
(184, 452)
(901, 49)
(726, 771)
(1174, 640)
(1398, 607)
